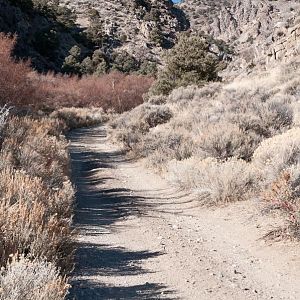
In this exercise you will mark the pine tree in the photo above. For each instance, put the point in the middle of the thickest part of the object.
(189, 62)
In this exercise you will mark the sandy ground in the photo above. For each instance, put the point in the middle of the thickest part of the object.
(141, 238)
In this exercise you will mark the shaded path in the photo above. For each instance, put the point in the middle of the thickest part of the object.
(99, 207)
(142, 239)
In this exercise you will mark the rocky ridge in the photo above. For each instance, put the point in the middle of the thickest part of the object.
(261, 32)
(143, 28)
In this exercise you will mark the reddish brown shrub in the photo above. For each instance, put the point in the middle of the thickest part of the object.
(20, 86)
(114, 91)
(15, 85)
(283, 195)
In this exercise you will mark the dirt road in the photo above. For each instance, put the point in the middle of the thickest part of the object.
(140, 238)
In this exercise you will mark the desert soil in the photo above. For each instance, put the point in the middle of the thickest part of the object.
(142, 238)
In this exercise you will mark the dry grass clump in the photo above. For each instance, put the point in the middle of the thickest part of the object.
(130, 127)
(277, 154)
(75, 117)
(24, 279)
(36, 207)
(213, 181)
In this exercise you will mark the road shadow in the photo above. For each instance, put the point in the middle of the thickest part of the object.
(145, 291)
(98, 210)
(98, 206)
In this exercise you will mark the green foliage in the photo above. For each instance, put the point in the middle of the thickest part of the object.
(65, 16)
(148, 68)
(189, 62)
(95, 32)
(124, 62)
(75, 51)
(96, 65)
(157, 37)
(72, 62)
(87, 66)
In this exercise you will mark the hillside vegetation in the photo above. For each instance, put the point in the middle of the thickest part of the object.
(225, 142)
(91, 37)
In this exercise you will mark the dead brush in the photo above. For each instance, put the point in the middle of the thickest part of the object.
(36, 197)
(283, 196)
(15, 85)
(33, 222)
(36, 151)
(24, 279)
(80, 117)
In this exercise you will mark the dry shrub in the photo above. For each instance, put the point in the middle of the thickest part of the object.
(32, 148)
(262, 119)
(159, 148)
(224, 140)
(284, 195)
(15, 85)
(114, 91)
(29, 229)
(36, 197)
(130, 127)
(20, 86)
(276, 154)
(215, 182)
(238, 137)
(31, 280)
(80, 117)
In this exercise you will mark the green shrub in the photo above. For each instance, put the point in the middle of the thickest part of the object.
(189, 62)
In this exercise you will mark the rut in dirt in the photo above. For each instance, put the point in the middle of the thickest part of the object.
(98, 209)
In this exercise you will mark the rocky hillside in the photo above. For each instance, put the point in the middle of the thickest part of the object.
(140, 27)
(45, 31)
(260, 31)
(127, 35)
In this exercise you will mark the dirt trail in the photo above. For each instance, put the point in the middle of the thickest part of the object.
(140, 238)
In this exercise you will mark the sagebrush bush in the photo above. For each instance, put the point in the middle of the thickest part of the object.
(278, 153)
(215, 182)
(24, 279)
(80, 117)
(227, 141)
(284, 195)
(36, 196)
(224, 140)
(130, 127)
(37, 152)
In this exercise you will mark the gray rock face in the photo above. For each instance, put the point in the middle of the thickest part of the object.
(261, 32)
(134, 22)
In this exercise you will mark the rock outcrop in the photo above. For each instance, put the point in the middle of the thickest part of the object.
(260, 32)
(142, 27)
